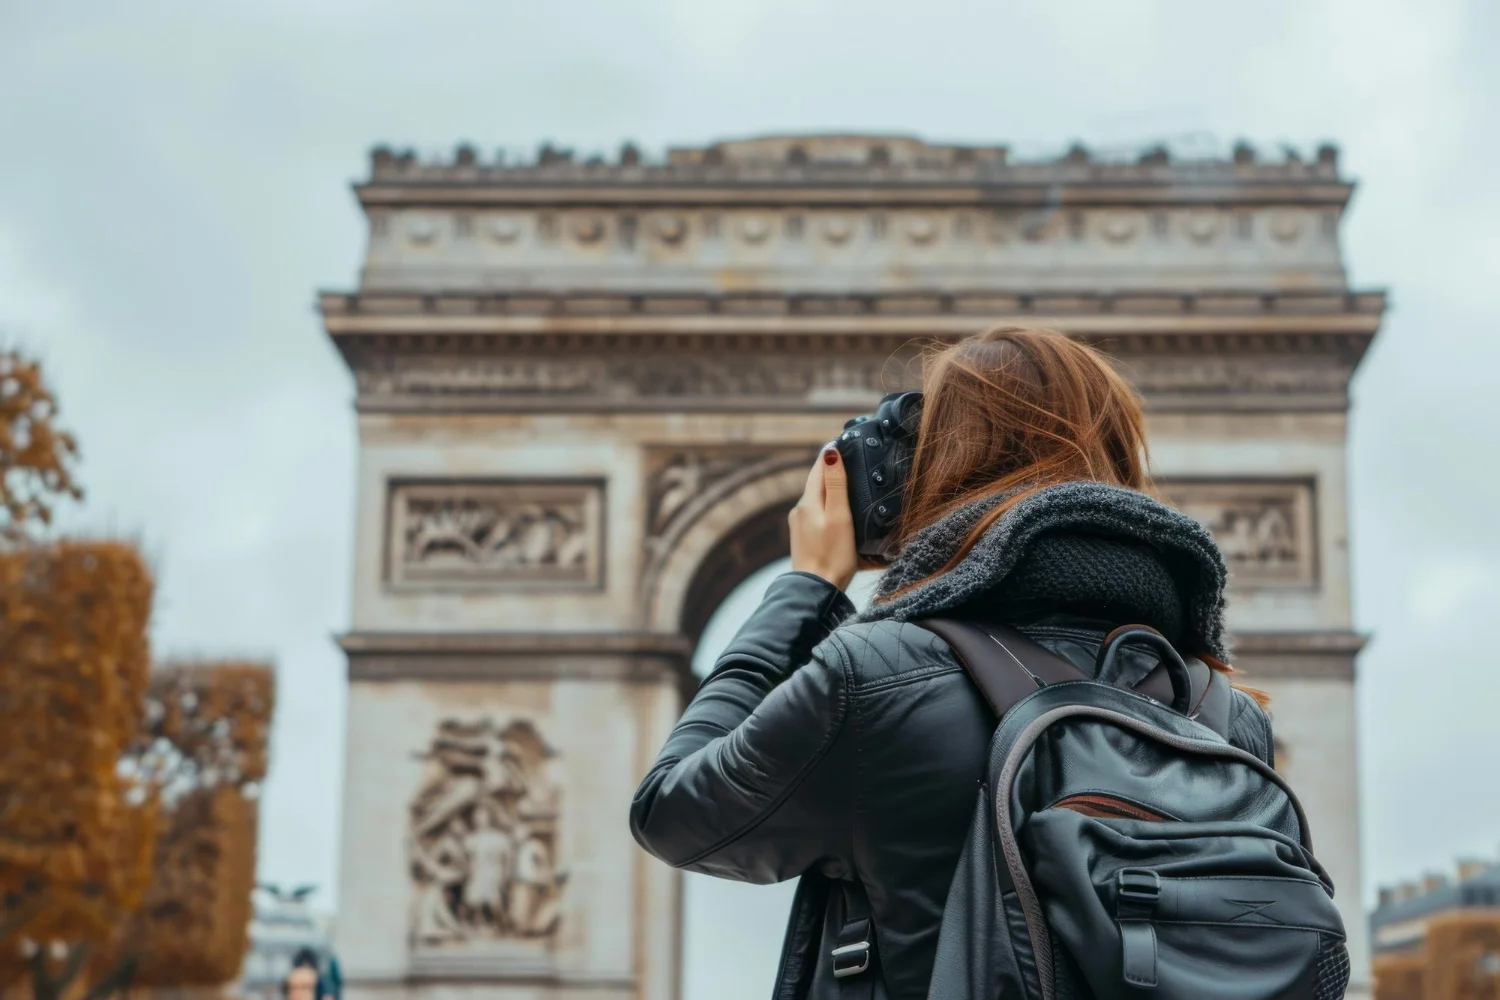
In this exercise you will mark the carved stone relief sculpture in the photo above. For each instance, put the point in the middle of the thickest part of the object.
(486, 533)
(483, 836)
(1264, 527)
(683, 483)
(684, 476)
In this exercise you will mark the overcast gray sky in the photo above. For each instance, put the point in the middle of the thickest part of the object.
(174, 187)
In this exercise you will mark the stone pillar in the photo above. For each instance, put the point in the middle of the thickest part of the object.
(488, 778)
(502, 707)
(1271, 487)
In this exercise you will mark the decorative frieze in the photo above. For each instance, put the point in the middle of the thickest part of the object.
(656, 379)
(487, 533)
(841, 236)
(1229, 382)
(478, 375)
(770, 373)
(1265, 528)
(483, 838)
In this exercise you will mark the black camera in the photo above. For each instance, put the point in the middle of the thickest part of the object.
(877, 451)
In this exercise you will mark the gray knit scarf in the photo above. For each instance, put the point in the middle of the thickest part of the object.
(1078, 508)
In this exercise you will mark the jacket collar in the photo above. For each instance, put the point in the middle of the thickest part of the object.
(1084, 507)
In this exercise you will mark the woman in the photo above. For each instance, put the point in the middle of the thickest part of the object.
(847, 748)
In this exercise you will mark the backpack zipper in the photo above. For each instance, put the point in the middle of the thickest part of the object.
(1100, 806)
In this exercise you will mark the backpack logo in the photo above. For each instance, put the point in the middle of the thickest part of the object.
(1253, 908)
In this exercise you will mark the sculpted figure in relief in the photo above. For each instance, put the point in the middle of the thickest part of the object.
(682, 479)
(1261, 536)
(494, 534)
(1250, 534)
(482, 835)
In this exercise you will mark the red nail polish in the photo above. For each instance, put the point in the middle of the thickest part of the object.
(830, 456)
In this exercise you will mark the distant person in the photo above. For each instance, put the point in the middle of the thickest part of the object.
(304, 982)
(1122, 830)
(334, 979)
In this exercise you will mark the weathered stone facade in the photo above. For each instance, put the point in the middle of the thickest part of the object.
(588, 392)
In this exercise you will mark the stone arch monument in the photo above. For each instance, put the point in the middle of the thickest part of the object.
(589, 391)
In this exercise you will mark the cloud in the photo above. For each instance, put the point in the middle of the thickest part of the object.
(1450, 590)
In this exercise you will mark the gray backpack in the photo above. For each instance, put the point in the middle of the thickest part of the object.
(1121, 847)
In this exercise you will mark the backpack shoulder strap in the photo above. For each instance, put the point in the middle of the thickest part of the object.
(854, 953)
(1213, 708)
(1004, 664)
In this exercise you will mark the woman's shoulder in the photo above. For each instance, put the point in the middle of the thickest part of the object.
(887, 649)
(1250, 727)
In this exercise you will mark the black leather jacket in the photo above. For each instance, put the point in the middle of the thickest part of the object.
(842, 753)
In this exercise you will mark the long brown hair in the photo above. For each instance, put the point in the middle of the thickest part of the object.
(1012, 411)
(1016, 410)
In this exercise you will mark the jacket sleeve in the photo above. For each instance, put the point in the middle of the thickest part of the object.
(754, 783)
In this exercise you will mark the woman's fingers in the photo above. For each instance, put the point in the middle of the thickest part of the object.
(822, 529)
(835, 483)
(812, 493)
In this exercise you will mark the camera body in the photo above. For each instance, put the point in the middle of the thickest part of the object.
(877, 451)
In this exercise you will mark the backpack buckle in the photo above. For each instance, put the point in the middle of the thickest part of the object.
(1135, 905)
(1139, 890)
(853, 958)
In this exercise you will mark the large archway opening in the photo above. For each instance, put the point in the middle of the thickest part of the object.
(732, 931)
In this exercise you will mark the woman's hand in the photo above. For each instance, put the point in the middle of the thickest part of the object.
(822, 527)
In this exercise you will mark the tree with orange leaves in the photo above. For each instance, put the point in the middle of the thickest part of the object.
(36, 458)
(127, 796)
(76, 836)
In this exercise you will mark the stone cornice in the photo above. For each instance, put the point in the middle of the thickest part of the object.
(897, 315)
(851, 193)
(515, 643)
(629, 657)
(1297, 655)
(657, 658)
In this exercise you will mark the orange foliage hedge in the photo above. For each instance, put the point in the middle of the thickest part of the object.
(193, 928)
(75, 835)
(128, 796)
(206, 736)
